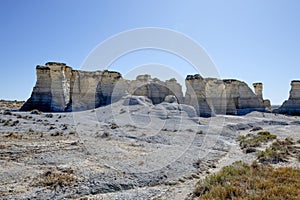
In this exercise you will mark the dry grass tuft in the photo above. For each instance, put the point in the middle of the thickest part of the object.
(251, 140)
(279, 151)
(55, 179)
(243, 181)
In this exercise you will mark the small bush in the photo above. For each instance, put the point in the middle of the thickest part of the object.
(265, 133)
(251, 140)
(200, 132)
(279, 151)
(56, 179)
(114, 126)
(19, 116)
(122, 111)
(6, 123)
(105, 134)
(72, 133)
(64, 126)
(36, 112)
(256, 129)
(49, 115)
(15, 123)
(7, 112)
(270, 156)
(30, 130)
(57, 133)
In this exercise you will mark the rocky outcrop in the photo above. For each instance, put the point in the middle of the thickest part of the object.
(155, 89)
(213, 96)
(59, 88)
(258, 89)
(292, 105)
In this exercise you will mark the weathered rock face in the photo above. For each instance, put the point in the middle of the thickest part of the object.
(213, 96)
(59, 88)
(155, 89)
(48, 93)
(258, 89)
(292, 105)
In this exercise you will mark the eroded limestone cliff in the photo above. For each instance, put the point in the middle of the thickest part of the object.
(59, 88)
(292, 105)
(214, 96)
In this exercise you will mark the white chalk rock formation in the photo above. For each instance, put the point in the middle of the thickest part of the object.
(59, 88)
(258, 89)
(155, 89)
(292, 105)
(213, 96)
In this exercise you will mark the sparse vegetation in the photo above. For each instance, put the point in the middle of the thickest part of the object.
(256, 129)
(6, 123)
(105, 134)
(7, 112)
(189, 130)
(14, 136)
(250, 141)
(56, 179)
(200, 132)
(72, 133)
(122, 111)
(64, 126)
(35, 112)
(30, 130)
(243, 181)
(114, 126)
(279, 151)
(49, 115)
(57, 133)
(14, 123)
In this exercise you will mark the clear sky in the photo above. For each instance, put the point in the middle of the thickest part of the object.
(250, 40)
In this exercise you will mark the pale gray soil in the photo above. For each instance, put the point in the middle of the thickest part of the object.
(122, 151)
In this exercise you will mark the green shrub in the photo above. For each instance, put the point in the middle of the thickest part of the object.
(251, 140)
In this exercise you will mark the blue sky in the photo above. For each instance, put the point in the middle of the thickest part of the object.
(255, 40)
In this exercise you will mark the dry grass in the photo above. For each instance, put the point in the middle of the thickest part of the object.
(56, 179)
(252, 140)
(279, 151)
(243, 181)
